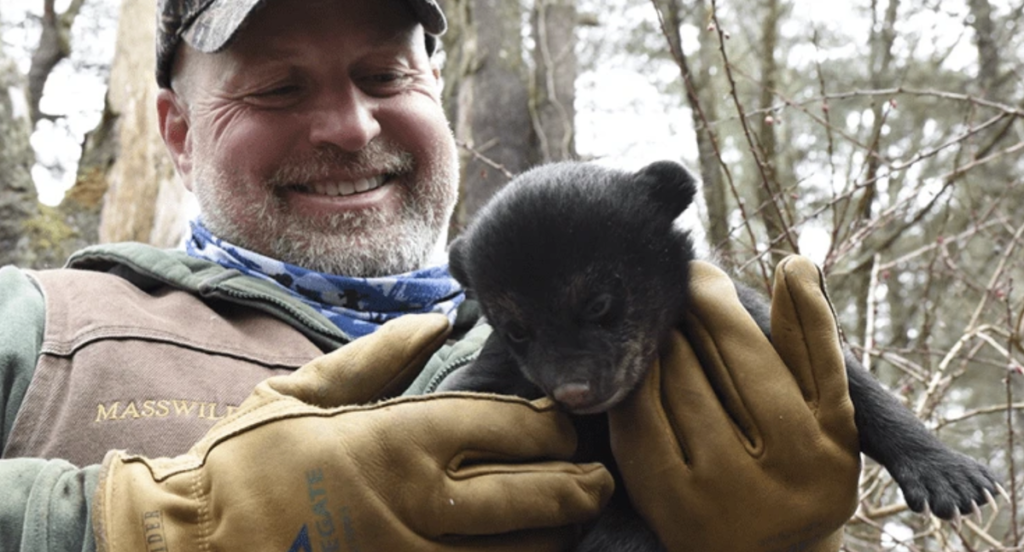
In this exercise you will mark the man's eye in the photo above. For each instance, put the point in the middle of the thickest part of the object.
(279, 91)
(385, 81)
(271, 90)
(275, 96)
(386, 77)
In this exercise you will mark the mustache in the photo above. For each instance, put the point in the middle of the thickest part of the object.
(379, 156)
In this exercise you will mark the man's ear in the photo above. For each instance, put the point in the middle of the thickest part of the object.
(438, 78)
(172, 115)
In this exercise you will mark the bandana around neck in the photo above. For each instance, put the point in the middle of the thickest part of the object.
(358, 306)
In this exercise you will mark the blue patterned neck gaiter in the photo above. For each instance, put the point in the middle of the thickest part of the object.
(358, 306)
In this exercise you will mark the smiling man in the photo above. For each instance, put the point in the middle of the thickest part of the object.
(243, 394)
(318, 138)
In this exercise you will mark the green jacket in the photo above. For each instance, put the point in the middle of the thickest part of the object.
(47, 501)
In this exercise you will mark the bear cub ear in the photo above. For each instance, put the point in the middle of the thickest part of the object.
(457, 261)
(669, 185)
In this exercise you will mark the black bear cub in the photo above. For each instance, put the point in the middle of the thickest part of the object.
(581, 272)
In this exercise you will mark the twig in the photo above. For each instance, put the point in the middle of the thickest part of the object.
(676, 49)
(765, 180)
(885, 92)
(1011, 463)
(994, 409)
(484, 159)
(872, 307)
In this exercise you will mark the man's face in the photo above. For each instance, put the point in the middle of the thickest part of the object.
(318, 137)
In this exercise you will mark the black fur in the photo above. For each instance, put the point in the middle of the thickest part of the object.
(581, 273)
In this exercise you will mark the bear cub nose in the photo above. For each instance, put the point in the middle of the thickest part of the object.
(573, 395)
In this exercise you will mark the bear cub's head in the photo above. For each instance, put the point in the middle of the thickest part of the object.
(581, 272)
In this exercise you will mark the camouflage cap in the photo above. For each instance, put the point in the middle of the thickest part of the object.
(209, 26)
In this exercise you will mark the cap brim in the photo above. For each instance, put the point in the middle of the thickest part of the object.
(214, 28)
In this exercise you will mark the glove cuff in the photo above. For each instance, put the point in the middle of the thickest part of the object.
(130, 508)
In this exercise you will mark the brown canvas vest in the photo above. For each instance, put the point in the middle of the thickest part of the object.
(147, 371)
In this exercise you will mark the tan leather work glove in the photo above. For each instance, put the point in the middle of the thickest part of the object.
(770, 462)
(297, 467)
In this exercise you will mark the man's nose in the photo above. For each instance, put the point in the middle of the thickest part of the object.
(345, 118)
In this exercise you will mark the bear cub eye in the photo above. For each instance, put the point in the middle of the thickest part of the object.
(516, 334)
(599, 309)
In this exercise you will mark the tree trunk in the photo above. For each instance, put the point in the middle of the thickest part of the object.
(31, 234)
(493, 112)
(701, 98)
(882, 41)
(125, 161)
(554, 81)
(772, 202)
(54, 46)
(456, 66)
(988, 50)
(18, 200)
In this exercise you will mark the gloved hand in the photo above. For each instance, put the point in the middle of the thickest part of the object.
(300, 467)
(771, 461)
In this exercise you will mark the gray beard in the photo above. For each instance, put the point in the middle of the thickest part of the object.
(327, 245)
(368, 243)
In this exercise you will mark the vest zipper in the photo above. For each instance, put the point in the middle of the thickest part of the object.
(443, 373)
(297, 315)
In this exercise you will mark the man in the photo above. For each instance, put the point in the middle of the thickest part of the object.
(312, 133)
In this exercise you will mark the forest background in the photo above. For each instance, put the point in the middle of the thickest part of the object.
(881, 138)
